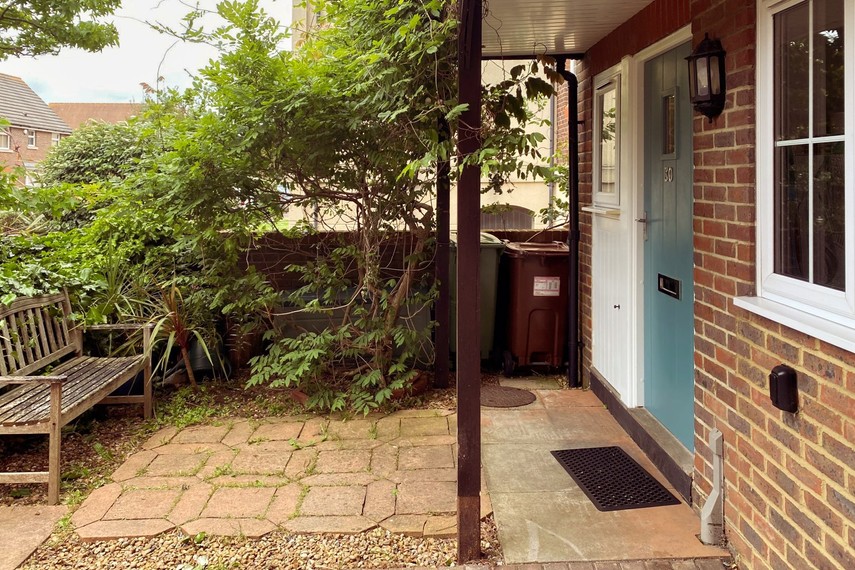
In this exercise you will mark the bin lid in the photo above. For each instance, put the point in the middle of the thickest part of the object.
(520, 249)
(487, 240)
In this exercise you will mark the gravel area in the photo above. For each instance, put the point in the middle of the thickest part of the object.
(100, 441)
(175, 551)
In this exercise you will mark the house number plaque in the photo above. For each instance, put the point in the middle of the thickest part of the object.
(669, 174)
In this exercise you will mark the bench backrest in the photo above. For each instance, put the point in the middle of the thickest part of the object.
(35, 332)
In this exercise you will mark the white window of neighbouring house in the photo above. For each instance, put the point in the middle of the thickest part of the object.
(607, 141)
(31, 138)
(805, 160)
(5, 140)
(54, 139)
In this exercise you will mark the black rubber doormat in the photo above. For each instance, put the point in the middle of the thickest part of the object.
(612, 479)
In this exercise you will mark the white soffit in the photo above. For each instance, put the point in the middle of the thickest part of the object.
(513, 28)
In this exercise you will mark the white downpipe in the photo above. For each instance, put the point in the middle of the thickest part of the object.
(712, 520)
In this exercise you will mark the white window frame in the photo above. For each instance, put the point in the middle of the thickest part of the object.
(55, 138)
(6, 135)
(824, 311)
(607, 81)
(32, 141)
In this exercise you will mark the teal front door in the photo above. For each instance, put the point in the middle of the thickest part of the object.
(668, 248)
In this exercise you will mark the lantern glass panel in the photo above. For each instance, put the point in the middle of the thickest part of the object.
(703, 75)
(715, 75)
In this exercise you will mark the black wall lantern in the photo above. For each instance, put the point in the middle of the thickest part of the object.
(707, 87)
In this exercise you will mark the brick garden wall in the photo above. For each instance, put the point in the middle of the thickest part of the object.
(789, 479)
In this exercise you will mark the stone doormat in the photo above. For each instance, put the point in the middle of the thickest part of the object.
(304, 475)
(494, 396)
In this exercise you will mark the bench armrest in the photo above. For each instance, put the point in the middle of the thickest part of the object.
(6, 380)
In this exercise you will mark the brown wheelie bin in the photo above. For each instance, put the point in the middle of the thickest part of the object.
(534, 279)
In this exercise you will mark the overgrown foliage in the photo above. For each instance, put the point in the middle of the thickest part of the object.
(37, 27)
(346, 128)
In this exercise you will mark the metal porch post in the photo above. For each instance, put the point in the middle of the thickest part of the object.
(574, 343)
(468, 318)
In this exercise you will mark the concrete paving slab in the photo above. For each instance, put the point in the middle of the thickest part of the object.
(23, 529)
(565, 526)
(524, 467)
(582, 425)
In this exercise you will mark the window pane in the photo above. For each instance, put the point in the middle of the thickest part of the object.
(792, 73)
(669, 124)
(829, 214)
(792, 230)
(828, 57)
(608, 138)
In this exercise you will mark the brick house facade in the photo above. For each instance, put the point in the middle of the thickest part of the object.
(33, 127)
(789, 478)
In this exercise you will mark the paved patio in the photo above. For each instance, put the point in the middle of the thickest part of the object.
(306, 475)
(543, 516)
(397, 471)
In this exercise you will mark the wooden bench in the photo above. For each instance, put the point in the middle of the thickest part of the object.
(36, 335)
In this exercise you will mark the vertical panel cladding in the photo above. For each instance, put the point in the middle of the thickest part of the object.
(788, 477)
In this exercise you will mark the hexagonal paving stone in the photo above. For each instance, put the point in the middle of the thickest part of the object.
(330, 501)
(191, 503)
(143, 504)
(432, 425)
(250, 528)
(347, 461)
(426, 497)
(285, 503)
(96, 504)
(425, 457)
(238, 502)
(171, 465)
(260, 463)
(112, 530)
(336, 525)
(201, 434)
(279, 431)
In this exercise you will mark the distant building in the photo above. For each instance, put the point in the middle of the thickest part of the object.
(34, 127)
(78, 114)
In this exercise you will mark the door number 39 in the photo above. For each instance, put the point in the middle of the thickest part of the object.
(669, 174)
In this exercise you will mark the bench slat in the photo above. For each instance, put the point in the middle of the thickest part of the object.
(84, 388)
(24, 331)
(50, 338)
(25, 303)
(19, 398)
(8, 350)
(71, 387)
(34, 334)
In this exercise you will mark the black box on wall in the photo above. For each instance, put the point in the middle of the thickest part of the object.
(784, 388)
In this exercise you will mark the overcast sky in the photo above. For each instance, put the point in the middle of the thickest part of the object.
(115, 74)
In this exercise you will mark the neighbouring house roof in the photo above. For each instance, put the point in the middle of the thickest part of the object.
(76, 114)
(23, 108)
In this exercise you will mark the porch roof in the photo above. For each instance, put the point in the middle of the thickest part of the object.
(516, 30)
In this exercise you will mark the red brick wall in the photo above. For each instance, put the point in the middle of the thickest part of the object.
(789, 479)
(20, 154)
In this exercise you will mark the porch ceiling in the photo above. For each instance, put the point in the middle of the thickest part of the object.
(523, 28)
